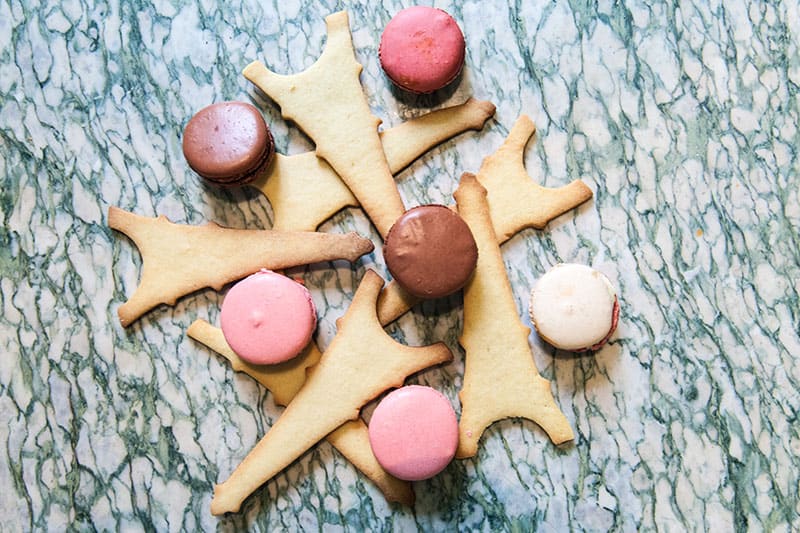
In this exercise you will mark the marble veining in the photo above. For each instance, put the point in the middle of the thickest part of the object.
(681, 117)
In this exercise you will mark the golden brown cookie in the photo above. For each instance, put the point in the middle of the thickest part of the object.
(500, 377)
(304, 191)
(407, 141)
(328, 103)
(283, 381)
(516, 201)
(178, 259)
(361, 362)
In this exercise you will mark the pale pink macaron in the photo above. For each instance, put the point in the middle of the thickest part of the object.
(422, 49)
(268, 318)
(414, 432)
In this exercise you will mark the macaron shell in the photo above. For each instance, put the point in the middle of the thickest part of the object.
(574, 307)
(228, 143)
(268, 318)
(414, 432)
(422, 49)
(430, 251)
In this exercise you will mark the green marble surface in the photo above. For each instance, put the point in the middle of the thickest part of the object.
(682, 118)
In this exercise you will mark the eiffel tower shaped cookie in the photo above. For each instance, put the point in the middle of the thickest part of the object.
(328, 103)
(361, 362)
(283, 381)
(178, 259)
(500, 377)
(515, 200)
(304, 191)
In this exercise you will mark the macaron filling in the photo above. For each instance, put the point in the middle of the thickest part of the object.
(614, 322)
(268, 318)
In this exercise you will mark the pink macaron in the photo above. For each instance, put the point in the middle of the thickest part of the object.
(268, 318)
(414, 432)
(422, 49)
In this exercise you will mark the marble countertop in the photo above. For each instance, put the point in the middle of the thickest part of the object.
(681, 118)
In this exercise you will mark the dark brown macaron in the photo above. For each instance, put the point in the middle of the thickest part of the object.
(430, 251)
(228, 143)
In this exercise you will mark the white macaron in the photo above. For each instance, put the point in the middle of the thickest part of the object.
(574, 307)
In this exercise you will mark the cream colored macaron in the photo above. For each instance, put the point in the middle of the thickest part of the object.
(574, 307)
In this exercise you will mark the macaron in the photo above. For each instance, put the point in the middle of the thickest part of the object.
(268, 318)
(430, 251)
(414, 432)
(574, 307)
(228, 143)
(422, 49)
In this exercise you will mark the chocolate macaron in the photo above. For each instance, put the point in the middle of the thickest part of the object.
(430, 251)
(228, 143)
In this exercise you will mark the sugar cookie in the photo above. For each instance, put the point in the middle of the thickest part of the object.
(516, 201)
(304, 191)
(283, 381)
(178, 259)
(328, 103)
(361, 362)
(500, 377)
